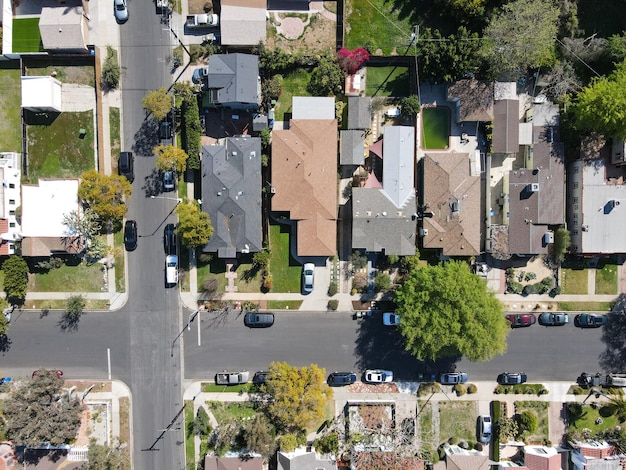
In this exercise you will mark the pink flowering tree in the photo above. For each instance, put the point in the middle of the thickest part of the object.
(350, 61)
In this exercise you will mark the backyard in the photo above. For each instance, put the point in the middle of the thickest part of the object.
(294, 84)
(26, 36)
(435, 128)
(55, 147)
(387, 81)
(10, 109)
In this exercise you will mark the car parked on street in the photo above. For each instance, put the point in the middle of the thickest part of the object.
(521, 320)
(308, 275)
(512, 378)
(259, 377)
(121, 11)
(169, 239)
(553, 319)
(338, 379)
(169, 181)
(130, 235)
(590, 320)
(258, 320)
(126, 166)
(453, 378)
(378, 376)
(171, 270)
(391, 319)
(484, 429)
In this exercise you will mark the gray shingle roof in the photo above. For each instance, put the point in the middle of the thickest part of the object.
(63, 28)
(231, 195)
(235, 76)
(359, 112)
(506, 126)
(352, 147)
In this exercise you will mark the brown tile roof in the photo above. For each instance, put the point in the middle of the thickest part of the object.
(233, 463)
(468, 462)
(46, 246)
(4, 228)
(476, 99)
(506, 126)
(304, 177)
(454, 196)
(385, 461)
(542, 462)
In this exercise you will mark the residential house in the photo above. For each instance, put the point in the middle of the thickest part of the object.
(231, 195)
(506, 124)
(243, 22)
(64, 30)
(542, 458)
(353, 138)
(10, 200)
(43, 208)
(359, 112)
(252, 462)
(305, 458)
(474, 100)
(452, 192)
(304, 178)
(383, 215)
(312, 107)
(457, 458)
(41, 94)
(596, 455)
(233, 81)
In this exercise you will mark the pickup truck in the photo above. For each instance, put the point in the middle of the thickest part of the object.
(232, 378)
(204, 20)
(601, 380)
(163, 6)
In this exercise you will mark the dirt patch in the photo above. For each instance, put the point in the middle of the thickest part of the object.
(318, 36)
(361, 387)
(374, 416)
(82, 385)
(197, 6)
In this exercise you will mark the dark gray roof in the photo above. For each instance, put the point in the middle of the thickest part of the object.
(352, 147)
(378, 225)
(506, 126)
(359, 112)
(235, 76)
(231, 195)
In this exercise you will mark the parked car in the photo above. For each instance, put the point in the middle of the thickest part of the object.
(169, 239)
(341, 378)
(199, 74)
(484, 429)
(391, 319)
(259, 377)
(512, 378)
(232, 378)
(121, 11)
(553, 319)
(126, 166)
(4, 380)
(171, 270)
(130, 235)
(590, 320)
(308, 273)
(258, 320)
(165, 133)
(169, 181)
(453, 378)
(521, 320)
(378, 376)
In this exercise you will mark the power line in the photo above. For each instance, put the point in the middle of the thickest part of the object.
(578, 57)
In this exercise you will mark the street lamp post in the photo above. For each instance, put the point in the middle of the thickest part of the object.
(177, 199)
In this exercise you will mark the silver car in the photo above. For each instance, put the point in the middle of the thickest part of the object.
(121, 11)
(308, 273)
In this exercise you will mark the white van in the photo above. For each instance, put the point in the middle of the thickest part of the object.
(171, 270)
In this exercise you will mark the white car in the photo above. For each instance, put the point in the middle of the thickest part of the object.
(378, 376)
(171, 270)
(391, 319)
(308, 273)
(121, 11)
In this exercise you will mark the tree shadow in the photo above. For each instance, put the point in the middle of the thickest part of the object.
(613, 358)
(5, 343)
(69, 323)
(146, 138)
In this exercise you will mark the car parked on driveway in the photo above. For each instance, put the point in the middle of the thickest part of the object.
(121, 11)
(337, 379)
(378, 376)
(512, 378)
(308, 275)
(553, 319)
(453, 378)
(391, 319)
(521, 320)
(130, 235)
(590, 320)
(484, 429)
(258, 320)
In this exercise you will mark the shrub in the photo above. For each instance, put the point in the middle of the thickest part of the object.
(472, 388)
(555, 291)
(333, 304)
(527, 422)
(382, 282)
(205, 258)
(530, 289)
(288, 442)
(332, 288)
(111, 69)
(459, 390)
(573, 410)
(328, 444)
(515, 287)
(192, 132)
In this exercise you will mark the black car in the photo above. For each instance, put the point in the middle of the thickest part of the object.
(126, 166)
(169, 239)
(337, 379)
(165, 133)
(512, 378)
(130, 235)
(258, 320)
(259, 377)
(590, 320)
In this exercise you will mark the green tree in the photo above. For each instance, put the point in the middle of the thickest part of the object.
(257, 435)
(15, 279)
(358, 260)
(447, 310)
(37, 410)
(201, 424)
(465, 8)
(327, 79)
(194, 226)
(561, 244)
(328, 443)
(527, 422)
(288, 442)
(83, 225)
(382, 282)
(299, 395)
(111, 69)
(521, 36)
(158, 102)
(102, 457)
(601, 106)
(192, 131)
(410, 105)
(506, 428)
(169, 157)
(105, 194)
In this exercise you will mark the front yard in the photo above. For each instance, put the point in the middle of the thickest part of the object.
(81, 277)
(10, 109)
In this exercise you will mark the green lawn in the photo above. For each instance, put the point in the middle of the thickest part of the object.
(224, 412)
(590, 414)
(90, 304)
(26, 36)
(208, 387)
(294, 84)
(387, 81)
(190, 448)
(247, 280)
(585, 306)
(284, 304)
(377, 24)
(285, 270)
(118, 238)
(114, 132)
(574, 281)
(10, 108)
(526, 389)
(79, 278)
(540, 408)
(606, 276)
(435, 128)
(55, 149)
(458, 420)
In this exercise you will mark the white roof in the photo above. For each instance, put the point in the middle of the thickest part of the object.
(398, 163)
(44, 205)
(41, 94)
(313, 107)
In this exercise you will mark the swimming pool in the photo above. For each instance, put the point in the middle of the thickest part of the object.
(435, 128)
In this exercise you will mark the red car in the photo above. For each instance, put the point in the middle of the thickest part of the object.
(520, 320)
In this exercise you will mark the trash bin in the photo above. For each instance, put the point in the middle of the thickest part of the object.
(82, 133)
